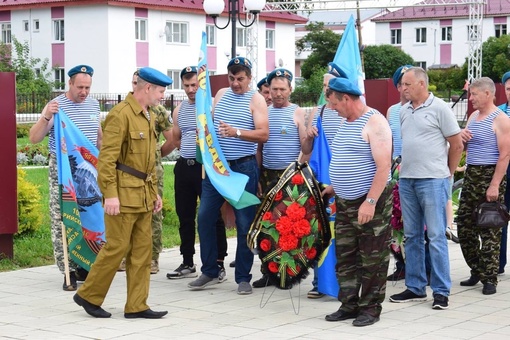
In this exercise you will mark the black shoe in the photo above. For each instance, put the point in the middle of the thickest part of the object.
(440, 302)
(262, 282)
(146, 314)
(71, 287)
(341, 315)
(81, 274)
(473, 280)
(407, 296)
(232, 264)
(488, 289)
(91, 309)
(365, 320)
(397, 275)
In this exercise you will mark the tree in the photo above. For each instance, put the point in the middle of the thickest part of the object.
(323, 43)
(23, 64)
(308, 92)
(381, 61)
(496, 55)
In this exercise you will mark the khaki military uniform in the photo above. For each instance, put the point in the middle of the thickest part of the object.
(129, 138)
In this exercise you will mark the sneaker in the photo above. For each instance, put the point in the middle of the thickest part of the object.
(73, 285)
(440, 302)
(314, 294)
(182, 272)
(407, 296)
(202, 282)
(222, 275)
(232, 264)
(122, 265)
(244, 288)
(154, 266)
(397, 275)
(451, 236)
(262, 282)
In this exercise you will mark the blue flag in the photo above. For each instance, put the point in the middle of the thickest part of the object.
(228, 183)
(81, 202)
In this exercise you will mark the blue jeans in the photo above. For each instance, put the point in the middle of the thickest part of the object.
(208, 212)
(423, 204)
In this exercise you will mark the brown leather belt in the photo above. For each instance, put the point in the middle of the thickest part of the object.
(133, 171)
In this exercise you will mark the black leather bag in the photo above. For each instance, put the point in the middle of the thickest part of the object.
(491, 215)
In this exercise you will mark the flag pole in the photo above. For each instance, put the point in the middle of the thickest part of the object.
(66, 257)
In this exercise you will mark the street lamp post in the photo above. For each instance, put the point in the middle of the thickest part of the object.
(214, 8)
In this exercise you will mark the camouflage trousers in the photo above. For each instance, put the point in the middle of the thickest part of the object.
(482, 257)
(363, 254)
(157, 219)
(56, 217)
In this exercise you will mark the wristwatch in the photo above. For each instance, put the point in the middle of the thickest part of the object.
(238, 133)
(371, 201)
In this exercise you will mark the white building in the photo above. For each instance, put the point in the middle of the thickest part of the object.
(437, 36)
(117, 37)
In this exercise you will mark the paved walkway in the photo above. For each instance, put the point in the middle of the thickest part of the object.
(34, 306)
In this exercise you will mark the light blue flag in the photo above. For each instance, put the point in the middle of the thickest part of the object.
(228, 183)
(347, 55)
(80, 198)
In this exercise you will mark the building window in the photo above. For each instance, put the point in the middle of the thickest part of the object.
(141, 29)
(422, 64)
(396, 36)
(472, 33)
(421, 35)
(25, 26)
(35, 27)
(446, 33)
(176, 77)
(241, 37)
(210, 31)
(6, 33)
(270, 39)
(176, 32)
(499, 30)
(58, 30)
(59, 79)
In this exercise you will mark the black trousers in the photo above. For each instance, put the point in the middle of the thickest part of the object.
(187, 189)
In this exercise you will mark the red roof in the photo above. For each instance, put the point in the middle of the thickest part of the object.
(187, 6)
(492, 8)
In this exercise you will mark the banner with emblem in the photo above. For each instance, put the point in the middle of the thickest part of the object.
(228, 183)
(80, 198)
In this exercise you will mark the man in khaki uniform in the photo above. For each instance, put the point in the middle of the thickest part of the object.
(127, 179)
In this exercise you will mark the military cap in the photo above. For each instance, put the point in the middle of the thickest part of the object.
(505, 77)
(399, 73)
(239, 61)
(344, 85)
(262, 82)
(81, 69)
(279, 72)
(154, 76)
(188, 69)
(336, 70)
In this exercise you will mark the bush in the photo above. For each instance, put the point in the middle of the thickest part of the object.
(33, 154)
(22, 130)
(29, 205)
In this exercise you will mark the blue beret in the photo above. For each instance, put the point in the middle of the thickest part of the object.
(155, 77)
(336, 70)
(505, 77)
(344, 85)
(81, 69)
(279, 72)
(262, 82)
(239, 61)
(399, 73)
(188, 69)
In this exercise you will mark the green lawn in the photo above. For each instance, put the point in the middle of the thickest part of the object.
(36, 249)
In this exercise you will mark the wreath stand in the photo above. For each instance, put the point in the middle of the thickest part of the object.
(264, 301)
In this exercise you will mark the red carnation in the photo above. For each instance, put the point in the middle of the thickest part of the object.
(311, 253)
(298, 179)
(273, 267)
(290, 272)
(295, 212)
(311, 201)
(301, 228)
(284, 225)
(267, 216)
(288, 242)
(265, 245)
(279, 196)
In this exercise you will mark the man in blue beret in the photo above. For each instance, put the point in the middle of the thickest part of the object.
(359, 173)
(240, 121)
(263, 87)
(84, 112)
(428, 125)
(188, 182)
(127, 179)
